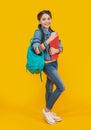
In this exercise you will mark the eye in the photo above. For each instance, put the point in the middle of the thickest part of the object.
(49, 18)
(43, 19)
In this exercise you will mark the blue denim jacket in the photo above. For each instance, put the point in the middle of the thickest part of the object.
(37, 38)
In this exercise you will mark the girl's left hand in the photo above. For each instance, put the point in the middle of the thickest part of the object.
(53, 51)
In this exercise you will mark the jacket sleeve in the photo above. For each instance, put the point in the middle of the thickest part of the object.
(60, 45)
(37, 45)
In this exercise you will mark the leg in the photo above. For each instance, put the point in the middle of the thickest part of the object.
(51, 72)
(49, 89)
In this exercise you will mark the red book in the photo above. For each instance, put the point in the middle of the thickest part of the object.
(54, 44)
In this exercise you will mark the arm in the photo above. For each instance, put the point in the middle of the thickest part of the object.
(37, 45)
(60, 47)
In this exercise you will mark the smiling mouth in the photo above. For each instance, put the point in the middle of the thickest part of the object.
(47, 24)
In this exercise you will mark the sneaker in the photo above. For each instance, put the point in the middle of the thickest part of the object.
(55, 117)
(48, 117)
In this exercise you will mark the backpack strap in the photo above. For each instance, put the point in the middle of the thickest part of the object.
(41, 76)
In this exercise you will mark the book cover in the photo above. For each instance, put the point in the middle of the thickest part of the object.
(54, 44)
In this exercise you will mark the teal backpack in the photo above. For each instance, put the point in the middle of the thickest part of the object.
(35, 62)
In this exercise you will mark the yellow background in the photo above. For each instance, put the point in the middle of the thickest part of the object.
(22, 95)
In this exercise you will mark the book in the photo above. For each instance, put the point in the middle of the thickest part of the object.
(54, 44)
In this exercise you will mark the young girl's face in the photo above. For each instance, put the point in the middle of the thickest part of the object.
(45, 21)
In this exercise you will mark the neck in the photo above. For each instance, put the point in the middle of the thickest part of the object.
(47, 29)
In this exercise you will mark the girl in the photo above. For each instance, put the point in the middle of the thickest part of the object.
(41, 42)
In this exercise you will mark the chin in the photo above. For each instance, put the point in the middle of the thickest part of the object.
(47, 27)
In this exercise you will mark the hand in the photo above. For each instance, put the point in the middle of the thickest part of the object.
(53, 51)
(53, 36)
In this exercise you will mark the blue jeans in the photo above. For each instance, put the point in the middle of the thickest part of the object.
(50, 70)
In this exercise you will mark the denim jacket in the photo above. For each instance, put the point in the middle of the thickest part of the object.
(38, 47)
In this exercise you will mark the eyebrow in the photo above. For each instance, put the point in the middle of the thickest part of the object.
(46, 18)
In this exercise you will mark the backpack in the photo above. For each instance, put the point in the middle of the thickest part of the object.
(35, 62)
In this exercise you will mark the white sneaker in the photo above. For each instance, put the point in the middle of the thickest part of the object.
(48, 117)
(55, 117)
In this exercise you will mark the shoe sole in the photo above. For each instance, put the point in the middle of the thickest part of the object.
(58, 120)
